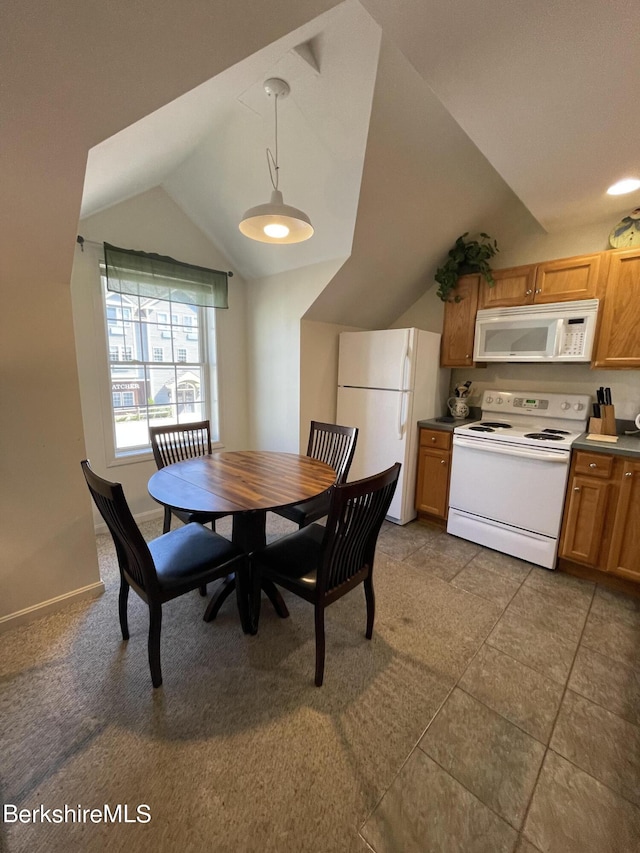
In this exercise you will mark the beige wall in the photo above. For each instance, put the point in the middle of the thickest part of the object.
(71, 80)
(275, 308)
(531, 246)
(427, 313)
(319, 373)
(153, 222)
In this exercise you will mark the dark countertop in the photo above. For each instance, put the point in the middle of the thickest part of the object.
(432, 423)
(626, 445)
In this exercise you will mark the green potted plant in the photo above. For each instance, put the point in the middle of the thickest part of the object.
(466, 256)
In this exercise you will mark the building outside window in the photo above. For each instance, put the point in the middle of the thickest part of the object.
(143, 393)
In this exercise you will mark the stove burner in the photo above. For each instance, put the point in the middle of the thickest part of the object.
(557, 431)
(496, 424)
(484, 428)
(543, 436)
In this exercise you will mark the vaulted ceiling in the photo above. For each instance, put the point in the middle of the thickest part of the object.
(466, 109)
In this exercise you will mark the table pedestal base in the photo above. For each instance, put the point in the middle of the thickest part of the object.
(249, 533)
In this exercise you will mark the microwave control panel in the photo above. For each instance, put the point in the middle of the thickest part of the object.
(573, 338)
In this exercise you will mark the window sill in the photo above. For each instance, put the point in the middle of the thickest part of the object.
(130, 458)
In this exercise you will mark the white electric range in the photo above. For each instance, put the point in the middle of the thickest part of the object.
(509, 472)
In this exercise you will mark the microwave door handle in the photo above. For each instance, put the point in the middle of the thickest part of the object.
(557, 344)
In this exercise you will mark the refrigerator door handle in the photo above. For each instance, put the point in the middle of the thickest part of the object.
(401, 397)
(405, 359)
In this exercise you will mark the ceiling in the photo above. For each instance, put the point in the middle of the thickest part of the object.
(545, 92)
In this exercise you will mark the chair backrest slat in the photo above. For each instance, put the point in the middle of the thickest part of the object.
(134, 557)
(176, 442)
(355, 518)
(333, 444)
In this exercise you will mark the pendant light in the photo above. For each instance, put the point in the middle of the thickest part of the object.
(276, 222)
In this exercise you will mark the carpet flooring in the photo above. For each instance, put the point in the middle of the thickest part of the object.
(238, 751)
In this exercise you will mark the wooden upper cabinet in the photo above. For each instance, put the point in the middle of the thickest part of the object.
(458, 330)
(552, 281)
(618, 343)
(567, 279)
(512, 286)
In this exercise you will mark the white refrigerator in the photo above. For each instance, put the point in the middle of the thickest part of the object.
(388, 380)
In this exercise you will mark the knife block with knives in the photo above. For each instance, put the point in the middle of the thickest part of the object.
(604, 420)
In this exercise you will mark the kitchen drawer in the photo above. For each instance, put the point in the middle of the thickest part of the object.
(436, 438)
(594, 464)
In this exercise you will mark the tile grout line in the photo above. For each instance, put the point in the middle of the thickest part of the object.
(519, 831)
(553, 727)
(417, 743)
(457, 685)
(597, 704)
(497, 574)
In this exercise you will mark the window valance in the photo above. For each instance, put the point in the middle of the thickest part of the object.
(159, 277)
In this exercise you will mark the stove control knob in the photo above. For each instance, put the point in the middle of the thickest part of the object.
(489, 400)
(579, 407)
(565, 406)
(499, 401)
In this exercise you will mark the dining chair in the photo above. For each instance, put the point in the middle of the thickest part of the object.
(321, 564)
(334, 445)
(165, 568)
(175, 443)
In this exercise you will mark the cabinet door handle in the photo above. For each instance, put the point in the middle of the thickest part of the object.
(538, 290)
(433, 438)
(444, 462)
(592, 465)
(529, 292)
(576, 488)
(628, 473)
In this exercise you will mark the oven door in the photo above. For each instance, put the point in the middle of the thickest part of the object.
(522, 487)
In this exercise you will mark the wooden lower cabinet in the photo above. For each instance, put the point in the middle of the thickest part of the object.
(601, 525)
(624, 553)
(584, 519)
(434, 466)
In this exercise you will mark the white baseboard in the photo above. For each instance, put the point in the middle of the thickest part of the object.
(149, 515)
(30, 614)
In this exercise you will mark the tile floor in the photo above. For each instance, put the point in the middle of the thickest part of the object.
(537, 746)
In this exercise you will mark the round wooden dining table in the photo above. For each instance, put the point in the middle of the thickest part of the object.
(245, 484)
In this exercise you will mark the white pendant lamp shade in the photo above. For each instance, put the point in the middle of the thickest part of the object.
(276, 222)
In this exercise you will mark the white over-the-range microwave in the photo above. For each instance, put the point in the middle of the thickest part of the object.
(558, 331)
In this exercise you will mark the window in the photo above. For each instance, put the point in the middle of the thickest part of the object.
(161, 372)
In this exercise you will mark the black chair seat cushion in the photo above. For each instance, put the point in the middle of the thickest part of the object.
(308, 511)
(295, 557)
(199, 517)
(188, 554)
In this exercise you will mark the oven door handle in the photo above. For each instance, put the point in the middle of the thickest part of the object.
(523, 452)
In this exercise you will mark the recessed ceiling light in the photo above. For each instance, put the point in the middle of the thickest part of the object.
(628, 185)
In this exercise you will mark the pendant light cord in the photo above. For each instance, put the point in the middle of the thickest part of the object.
(272, 162)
